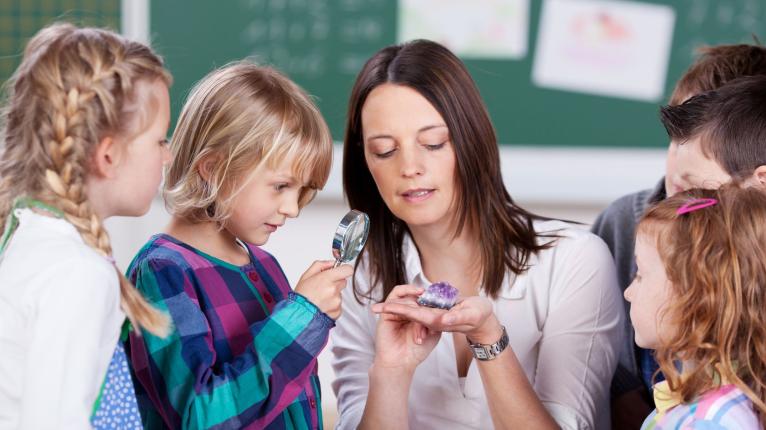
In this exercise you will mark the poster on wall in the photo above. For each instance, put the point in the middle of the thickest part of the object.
(604, 47)
(492, 29)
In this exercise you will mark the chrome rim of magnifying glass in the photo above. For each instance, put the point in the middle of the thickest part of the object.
(340, 251)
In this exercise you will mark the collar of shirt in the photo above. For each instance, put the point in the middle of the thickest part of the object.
(664, 399)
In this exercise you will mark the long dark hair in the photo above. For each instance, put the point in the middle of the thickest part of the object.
(506, 235)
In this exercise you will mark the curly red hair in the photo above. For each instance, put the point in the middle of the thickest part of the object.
(715, 259)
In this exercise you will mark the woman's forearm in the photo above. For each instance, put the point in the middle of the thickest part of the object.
(512, 401)
(386, 405)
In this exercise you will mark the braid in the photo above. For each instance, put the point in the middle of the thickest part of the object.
(86, 84)
(65, 180)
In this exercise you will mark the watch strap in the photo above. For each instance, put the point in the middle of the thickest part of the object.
(484, 352)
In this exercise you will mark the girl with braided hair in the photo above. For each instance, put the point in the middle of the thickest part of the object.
(84, 131)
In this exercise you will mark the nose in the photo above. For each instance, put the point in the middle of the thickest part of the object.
(629, 293)
(289, 206)
(411, 162)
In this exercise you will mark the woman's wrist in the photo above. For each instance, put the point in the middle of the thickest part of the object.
(394, 372)
(488, 333)
(391, 376)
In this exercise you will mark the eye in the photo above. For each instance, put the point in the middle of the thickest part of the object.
(164, 142)
(386, 154)
(281, 186)
(436, 147)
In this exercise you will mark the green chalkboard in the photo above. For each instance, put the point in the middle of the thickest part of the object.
(322, 44)
(21, 19)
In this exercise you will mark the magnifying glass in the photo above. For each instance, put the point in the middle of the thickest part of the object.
(350, 236)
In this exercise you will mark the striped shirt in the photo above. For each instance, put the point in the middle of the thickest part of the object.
(724, 408)
(243, 349)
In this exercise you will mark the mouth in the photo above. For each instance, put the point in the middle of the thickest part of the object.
(272, 227)
(418, 194)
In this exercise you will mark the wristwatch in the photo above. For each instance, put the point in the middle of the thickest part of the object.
(484, 352)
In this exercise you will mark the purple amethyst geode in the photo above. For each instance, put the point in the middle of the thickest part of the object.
(439, 295)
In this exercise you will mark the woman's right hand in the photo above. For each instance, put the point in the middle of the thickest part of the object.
(399, 342)
(322, 284)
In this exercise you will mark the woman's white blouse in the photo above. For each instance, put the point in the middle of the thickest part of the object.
(564, 318)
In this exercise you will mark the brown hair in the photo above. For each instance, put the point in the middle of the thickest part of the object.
(730, 121)
(243, 115)
(715, 260)
(717, 65)
(506, 234)
(74, 87)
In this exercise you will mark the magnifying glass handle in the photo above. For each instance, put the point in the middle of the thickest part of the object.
(337, 263)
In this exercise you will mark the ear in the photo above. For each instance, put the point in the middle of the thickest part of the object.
(206, 166)
(759, 176)
(107, 157)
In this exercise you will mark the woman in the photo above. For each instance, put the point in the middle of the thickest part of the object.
(421, 159)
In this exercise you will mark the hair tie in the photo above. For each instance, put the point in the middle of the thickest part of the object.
(695, 204)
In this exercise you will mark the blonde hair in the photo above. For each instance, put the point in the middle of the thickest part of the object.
(74, 87)
(236, 119)
(715, 259)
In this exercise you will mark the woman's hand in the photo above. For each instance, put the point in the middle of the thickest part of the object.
(472, 316)
(402, 343)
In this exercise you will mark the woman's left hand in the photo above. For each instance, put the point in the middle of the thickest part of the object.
(472, 316)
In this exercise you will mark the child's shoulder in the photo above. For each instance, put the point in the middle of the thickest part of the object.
(726, 407)
(162, 250)
(52, 242)
(45, 252)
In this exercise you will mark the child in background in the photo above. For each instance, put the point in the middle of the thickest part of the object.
(714, 67)
(698, 300)
(84, 139)
(250, 150)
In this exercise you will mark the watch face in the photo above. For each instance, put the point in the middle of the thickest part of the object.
(480, 353)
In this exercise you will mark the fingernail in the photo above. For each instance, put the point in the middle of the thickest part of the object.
(419, 341)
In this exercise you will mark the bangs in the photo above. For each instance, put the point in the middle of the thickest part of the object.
(305, 141)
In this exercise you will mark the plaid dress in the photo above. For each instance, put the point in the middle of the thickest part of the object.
(726, 407)
(243, 349)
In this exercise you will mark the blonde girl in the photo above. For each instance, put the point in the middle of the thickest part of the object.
(699, 299)
(249, 151)
(83, 139)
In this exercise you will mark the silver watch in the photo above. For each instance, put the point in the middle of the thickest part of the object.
(489, 352)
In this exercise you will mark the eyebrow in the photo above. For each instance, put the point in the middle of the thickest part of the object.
(288, 177)
(420, 130)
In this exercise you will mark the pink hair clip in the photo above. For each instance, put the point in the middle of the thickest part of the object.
(695, 204)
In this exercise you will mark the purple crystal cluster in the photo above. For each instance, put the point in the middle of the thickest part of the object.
(439, 295)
